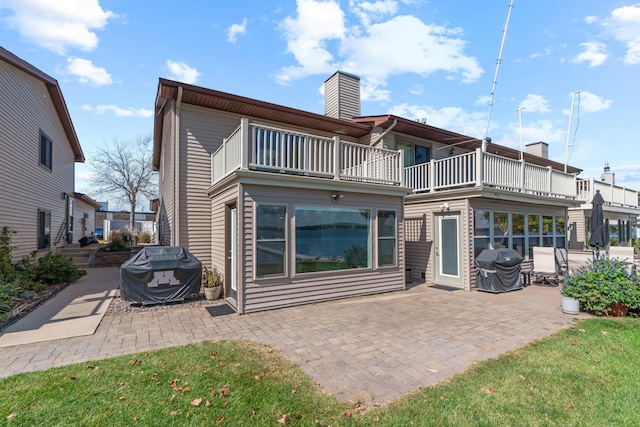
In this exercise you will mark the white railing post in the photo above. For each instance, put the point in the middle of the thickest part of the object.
(245, 131)
(432, 175)
(336, 157)
(224, 156)
(522, 175)
(479, 167)
(401, 172)
(549, 180)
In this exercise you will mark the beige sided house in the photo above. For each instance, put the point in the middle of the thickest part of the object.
(38, 151)
(84, 216)
(621, 211)
(296, 207)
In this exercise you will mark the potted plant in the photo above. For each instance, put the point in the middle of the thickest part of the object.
(212, 283)
(570, 298)
(603, 287)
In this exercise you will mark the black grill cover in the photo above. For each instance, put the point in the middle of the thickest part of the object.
(160, 274)
(498, 270)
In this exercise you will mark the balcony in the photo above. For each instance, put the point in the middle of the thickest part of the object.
(612, 194)
(264, 148)
(478, 169)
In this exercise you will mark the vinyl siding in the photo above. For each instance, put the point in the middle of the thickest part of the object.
(167, 177)
(295, 289)
(82, 228)
(25, 110)
(576, 234)
(201, 133)
(419, 224)
(218, 206)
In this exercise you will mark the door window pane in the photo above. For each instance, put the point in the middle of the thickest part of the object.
(386, 238)
(449, 246)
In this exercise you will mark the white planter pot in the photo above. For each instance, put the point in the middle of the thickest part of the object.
(570, 305)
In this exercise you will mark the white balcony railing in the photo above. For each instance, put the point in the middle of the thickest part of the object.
(266, 148)
(484, 169)
(612, 194)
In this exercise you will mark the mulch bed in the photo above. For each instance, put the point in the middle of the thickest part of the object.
(119, 306)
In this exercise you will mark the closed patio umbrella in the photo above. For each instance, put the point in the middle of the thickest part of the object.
(599, 234)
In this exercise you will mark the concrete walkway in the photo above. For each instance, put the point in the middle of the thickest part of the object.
(371, 349)
(76, 311)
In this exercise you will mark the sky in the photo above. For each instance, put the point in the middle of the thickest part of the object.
(432, 60)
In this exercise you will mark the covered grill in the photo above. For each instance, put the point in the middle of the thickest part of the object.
(159, 274)
(498, 270)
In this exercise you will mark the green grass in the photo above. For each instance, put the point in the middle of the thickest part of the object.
(584, 375)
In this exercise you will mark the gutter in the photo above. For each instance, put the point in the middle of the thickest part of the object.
(383, 134)
(176, 167)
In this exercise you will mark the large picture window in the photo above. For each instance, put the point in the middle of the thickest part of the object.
(329, 238)
(386, 238)
(270, 240)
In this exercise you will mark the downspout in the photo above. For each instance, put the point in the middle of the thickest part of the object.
(382, 135)
(176, 167)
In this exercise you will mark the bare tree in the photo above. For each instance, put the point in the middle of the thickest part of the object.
(123, 169)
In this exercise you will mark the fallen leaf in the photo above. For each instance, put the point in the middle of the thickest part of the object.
(224, 404)
(173, 413)
(360, 408)
(207, 403)
(347, 414)
(174, 383)
(283, 420)
(597, 360)
(137, 362)
(12, 416)
(172, 397)
(72, 378)
(318, 422)
(109, 411)
(582, 330)
(257, 377)
(121, 383)
(521, 377)
(491, 390)
(91, 367)
(121, 398)
(224, 393)
(196, 402)
(219, 420)
(604, 332)
(60, 389)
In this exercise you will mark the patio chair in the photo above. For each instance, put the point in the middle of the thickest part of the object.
(577, 259)
(625, 254)
(545, 265)
(561, 259)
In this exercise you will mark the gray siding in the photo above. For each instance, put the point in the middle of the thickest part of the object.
(83, 226)
(342, 96)
(26, 110)
(218, 210)
(295, 289)
(576, 234)
(167, 177)
(201, 133)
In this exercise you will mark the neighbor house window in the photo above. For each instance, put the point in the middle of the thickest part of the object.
(270, 240)
(45, 151)
(414, 154)
(329, 238)
(44, 229)
(386, 238)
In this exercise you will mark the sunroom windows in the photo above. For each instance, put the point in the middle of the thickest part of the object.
(323, 238)
(516, 230)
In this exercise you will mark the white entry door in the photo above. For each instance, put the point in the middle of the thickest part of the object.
(447, 268)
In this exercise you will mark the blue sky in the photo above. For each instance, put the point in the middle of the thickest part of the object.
(432, 60)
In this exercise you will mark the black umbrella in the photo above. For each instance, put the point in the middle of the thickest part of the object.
(599, 233)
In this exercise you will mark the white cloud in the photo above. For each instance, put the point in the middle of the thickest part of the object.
(409, 46)
(235, 30)
(624, 25)
(483, 100)
(590, 19)
(451, 118)
(88, 73)
(547, 51)
(373, 11)
(591, 103)
(182, 72)
(57, 25)
(551, 132)
(118, 111)
(535, 104)
(595, 53)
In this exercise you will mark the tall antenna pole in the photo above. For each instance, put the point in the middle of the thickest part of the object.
(486, 139)
(519, 110)
(566, 161)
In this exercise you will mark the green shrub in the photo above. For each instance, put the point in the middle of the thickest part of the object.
(6, 267)
(8, 290)
(144, 237)
(117, 242)
(55, 268)
(601, 284)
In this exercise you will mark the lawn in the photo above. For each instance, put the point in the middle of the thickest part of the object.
(584, 375)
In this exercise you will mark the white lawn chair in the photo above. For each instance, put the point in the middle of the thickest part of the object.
(577, 259)
(561, 259)
(545, 265)
(625, 254)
